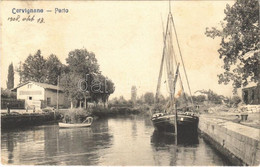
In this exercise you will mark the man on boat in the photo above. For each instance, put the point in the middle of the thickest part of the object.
(67, 119)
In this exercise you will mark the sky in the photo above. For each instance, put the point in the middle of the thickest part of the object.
(126, 37)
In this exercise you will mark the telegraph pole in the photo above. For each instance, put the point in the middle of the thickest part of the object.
(57, 103)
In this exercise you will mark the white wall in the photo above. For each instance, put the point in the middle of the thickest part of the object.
(35, 91)
(38, 93)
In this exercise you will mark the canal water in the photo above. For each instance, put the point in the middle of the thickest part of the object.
(115, 141)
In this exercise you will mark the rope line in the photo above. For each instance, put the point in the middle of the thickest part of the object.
(182, 60)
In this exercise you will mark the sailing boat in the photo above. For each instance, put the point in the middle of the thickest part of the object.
(169, 119)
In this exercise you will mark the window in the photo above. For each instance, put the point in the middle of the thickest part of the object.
(253, 94)
(29, 86)
(245, 96)
(48, 101)
(30, 97)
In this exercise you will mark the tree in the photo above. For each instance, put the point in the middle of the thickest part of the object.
(235, 101)
(114, 101)
(37, 68)
(10, 79)
(140, 100)
(239, 43)
(34, 68)
(149, 98)
(82, 78)
(182, 100)
(162, 99)
(82, 62)
(109, 89)
(199, 98)
(100, 88)
(69, 83)
(122, 100)
(212, 96)
(7, 94)
(54, 69)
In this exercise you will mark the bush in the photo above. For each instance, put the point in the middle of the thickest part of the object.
(199, 98)
(235, 101)
(7, 94)
(113, 111)
(76, 115)
(13, 103)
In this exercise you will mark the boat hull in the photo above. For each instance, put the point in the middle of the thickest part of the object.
(68, 125)
(185, 123)
(88, 121)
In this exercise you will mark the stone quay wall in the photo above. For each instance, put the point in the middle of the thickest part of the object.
(239, 143)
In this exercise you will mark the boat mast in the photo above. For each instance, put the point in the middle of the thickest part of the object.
(169, 59)
(172, 79)
(174, 104)
(160, 77)
(162, 61)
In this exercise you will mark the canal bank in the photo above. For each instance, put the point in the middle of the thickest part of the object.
(239, 143)
(20, 118)
(16, 120)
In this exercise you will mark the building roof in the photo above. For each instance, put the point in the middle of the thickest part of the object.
(43, 85)
(252, 87)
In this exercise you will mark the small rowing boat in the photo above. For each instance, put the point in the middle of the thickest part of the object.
(88, 121)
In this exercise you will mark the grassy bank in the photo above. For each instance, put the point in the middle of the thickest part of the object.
(97, 112)
(114, 111)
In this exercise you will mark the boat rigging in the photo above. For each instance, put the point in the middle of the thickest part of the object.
(169, 119)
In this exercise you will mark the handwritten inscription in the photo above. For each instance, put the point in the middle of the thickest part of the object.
(30, 15)
(28, 18)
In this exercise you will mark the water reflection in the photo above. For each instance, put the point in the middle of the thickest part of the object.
(49, 145)
(166, 142)
(160, 139)
(81, 144)
(190, 150)
(118, 141)
(10, 146)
